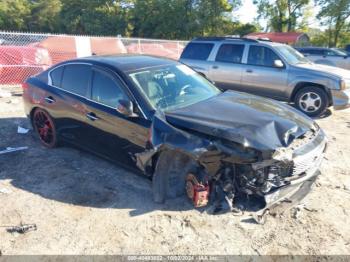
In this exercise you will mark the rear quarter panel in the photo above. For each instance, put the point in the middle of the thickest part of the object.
(33, 95)
(199, 66)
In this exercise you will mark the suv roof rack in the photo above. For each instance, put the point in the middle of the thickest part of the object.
(266, 39)
(222, 38)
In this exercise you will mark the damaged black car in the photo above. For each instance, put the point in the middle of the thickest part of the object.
(224, 150)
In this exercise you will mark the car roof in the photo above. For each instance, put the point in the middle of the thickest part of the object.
(128, 62)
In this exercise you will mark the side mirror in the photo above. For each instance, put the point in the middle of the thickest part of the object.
(278, 63)
(126, 108)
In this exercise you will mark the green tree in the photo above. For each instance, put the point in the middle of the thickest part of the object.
(182, 19)
(171, 19)
(162, 18)
(105, 17)
(245, 29)
(282, 15)
(44, 15)
(14, 14)
(334, 14)
(213, 14)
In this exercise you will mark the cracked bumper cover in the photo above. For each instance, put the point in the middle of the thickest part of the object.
(288, 196)
(300, 185)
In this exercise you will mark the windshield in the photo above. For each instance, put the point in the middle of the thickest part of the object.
(174, 86)
(291, 55)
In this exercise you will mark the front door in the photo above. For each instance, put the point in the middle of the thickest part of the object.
(261, 77)
(112, 134)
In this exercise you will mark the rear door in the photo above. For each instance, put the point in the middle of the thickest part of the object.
(260, 76)
(226, 71)
(196, 56)
(66, 97)
(111, 133)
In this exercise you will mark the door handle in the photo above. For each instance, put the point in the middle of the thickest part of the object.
(215, 67)
(249, 71)
(50, 99)
(92, 116)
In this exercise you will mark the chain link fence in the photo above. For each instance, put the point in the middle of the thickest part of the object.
(26, 54)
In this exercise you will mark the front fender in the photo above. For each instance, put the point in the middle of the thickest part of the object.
(301, 81)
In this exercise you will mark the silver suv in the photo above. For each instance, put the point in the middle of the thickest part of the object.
(269, 69)
(326, 56)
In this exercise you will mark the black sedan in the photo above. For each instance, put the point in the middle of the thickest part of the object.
(165, 120)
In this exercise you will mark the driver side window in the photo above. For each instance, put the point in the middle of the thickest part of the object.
(261, 56)
(106, 90)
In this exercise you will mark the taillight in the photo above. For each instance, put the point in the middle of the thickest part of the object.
(25, 85)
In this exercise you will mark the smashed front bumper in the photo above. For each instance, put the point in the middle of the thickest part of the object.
(288, 196)
(285, 199)
(306, 165)
(285, 182)
(341, 99)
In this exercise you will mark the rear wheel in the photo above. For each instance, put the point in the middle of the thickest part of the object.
(45, 128)
(312, 101)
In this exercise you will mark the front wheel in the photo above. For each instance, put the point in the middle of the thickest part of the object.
(45, 128)
(169, 179)
(312, 101)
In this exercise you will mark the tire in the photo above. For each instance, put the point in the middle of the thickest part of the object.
(312, 101)
(45, 128)
(169, 179)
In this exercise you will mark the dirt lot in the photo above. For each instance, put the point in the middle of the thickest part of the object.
(85, 205)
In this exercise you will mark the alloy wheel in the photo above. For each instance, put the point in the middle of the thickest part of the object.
(310, 102)
(45, 128)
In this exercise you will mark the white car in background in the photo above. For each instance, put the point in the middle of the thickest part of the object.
(326, 56)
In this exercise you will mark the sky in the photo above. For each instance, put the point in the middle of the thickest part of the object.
(248, 12)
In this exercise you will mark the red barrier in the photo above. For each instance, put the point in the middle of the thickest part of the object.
(23, 55)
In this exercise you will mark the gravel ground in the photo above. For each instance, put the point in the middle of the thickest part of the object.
(82, 204)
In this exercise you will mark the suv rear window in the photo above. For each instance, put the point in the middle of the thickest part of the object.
(230, 53)
(197, 51)
(76, 78)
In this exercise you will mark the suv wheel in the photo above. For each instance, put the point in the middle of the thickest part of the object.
(312, 101)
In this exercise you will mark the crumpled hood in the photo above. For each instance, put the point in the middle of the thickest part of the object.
(250, 120)
(325, 69)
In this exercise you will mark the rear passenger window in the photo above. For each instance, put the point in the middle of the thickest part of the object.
(76, 78)
(230, 53)
(261, 56)
(106, 90)
(197, 51)
(56, 76)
